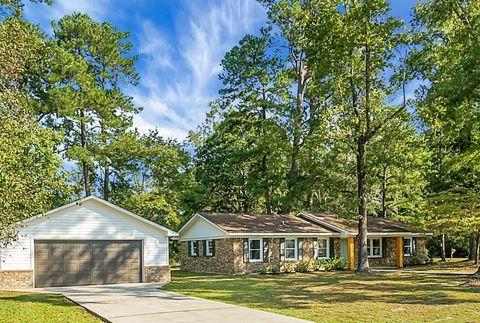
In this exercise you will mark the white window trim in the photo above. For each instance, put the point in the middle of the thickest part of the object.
(193, 252)
(261, 250)
(328, 248)
(411, 247)
(370, 243)
(209, 251)
(296, 249)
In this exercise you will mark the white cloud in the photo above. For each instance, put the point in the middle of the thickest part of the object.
(178, 81)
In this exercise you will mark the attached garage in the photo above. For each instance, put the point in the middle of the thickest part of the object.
(88, 242)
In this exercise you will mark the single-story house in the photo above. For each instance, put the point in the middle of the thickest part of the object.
(90, 241)
(243, 243)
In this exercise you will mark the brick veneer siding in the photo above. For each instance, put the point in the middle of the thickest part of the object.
(156, 274)
(222, 262)
(16, 279)
(228, 257)
(390, 259)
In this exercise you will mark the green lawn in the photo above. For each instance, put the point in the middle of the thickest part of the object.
(342, 296)
(37, 307)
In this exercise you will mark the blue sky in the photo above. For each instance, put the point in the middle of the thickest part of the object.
(180, 46)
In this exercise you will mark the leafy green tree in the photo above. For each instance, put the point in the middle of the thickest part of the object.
(102, 110)
(447, 34)
(353, 49)
(29, 176)
(151, 177)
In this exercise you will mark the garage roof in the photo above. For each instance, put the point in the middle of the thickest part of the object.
(169, 232)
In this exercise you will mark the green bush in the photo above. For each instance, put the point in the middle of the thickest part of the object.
(317, 265)
(264, 269)
(302, 266)
(275, 269)
(420, 258)
(333, 264)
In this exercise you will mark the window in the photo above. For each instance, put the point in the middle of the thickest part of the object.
(322, 249)
(255, 251)
(291, 249)
(407, 246)
(193, 248)
(209, 246)
(374, 247)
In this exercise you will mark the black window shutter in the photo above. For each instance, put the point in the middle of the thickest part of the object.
(189, 246)
(266, 246)
(384, 247)
(245, 250)
(213, 248)
(282, 249)
(204, 248)
(331, 244)
(300, 248)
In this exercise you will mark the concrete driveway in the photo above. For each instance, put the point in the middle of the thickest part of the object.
(146, 303)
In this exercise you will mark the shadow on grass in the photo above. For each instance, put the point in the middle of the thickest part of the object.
(300, 291)
(56, 300)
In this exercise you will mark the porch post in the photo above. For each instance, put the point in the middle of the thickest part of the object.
(351, 253)
(399, 252)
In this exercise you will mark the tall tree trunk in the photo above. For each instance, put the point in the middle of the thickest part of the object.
(384, 191)
(106, 166)
(472, 246)
(477, 249)
(83, 142)
(442, 250)
(297, 134)
(266, 189)
(362, 265)
(363, 137)
(106, 181)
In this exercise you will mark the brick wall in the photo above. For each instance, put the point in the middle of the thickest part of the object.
(16, 279)
(390, 260)
(221, 262)
(228, 257)
(157, 274)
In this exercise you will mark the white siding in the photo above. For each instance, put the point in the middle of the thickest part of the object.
(90, 220)
(200, 229)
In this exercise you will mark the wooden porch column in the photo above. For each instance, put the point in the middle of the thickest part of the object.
(351, 253)
(399, 252)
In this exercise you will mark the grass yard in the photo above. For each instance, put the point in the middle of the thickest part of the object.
(343, 296)
(36, 307)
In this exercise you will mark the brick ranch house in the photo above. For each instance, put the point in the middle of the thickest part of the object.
(244, 243)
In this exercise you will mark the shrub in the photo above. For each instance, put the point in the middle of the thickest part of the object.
(275, 269)
(420, 258)
(302, 266)
(317, 265)
(334, 264)
(264, 269)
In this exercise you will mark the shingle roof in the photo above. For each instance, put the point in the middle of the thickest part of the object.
(375, 224)
(261, 223)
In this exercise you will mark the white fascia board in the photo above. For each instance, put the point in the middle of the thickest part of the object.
(397, 234)
(256, 234)
(202, 238)
(193, 218)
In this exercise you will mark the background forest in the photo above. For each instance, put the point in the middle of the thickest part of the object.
(312, 115)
